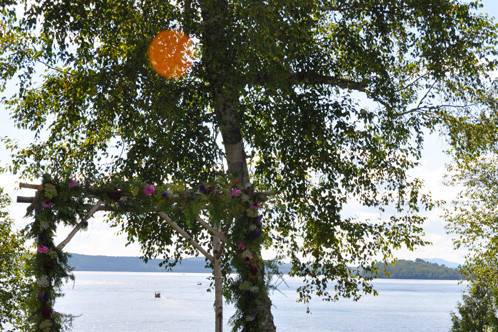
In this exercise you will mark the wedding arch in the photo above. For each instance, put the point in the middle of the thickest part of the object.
(205, 210)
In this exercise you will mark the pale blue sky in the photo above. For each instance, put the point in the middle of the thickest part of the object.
(100, 239)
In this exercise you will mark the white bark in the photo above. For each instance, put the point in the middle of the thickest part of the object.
(218, 284)
(90, 213)
(186, 235)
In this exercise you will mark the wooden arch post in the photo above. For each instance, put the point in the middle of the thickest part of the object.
(218, 239)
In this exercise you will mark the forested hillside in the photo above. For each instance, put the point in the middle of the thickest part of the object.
(418, 269)
(404, 269)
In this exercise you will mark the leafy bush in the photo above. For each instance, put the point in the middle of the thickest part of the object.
(14, 281)
(478, 312)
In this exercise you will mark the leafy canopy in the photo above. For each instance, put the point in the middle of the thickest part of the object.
(332, 98)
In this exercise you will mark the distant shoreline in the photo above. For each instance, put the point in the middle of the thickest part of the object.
(404, 269)
(285, 275)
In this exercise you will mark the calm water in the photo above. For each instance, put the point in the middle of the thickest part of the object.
(122, 302)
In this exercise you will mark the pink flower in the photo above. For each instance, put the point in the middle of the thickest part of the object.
(149, 190)
(42, 249)
(241, 245)
(47, 204)
(254, 205)
(235, 192)
(72, 184)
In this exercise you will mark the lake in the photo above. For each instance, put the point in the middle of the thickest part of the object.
(122, 302)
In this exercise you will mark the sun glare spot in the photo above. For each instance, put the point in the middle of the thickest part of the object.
(170, 54)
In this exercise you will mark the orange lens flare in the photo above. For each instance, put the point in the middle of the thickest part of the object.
(170, 53)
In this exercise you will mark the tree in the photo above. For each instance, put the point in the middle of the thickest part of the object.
(477, 312)
(473, 220)
(14, 281)
(319, 102)
(473, 217)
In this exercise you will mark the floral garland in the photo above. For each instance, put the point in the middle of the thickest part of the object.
(49, 265)
(248, 288)
(64, 202)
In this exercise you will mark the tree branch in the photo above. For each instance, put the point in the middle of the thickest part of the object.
(426, 94)
(212, 230)
(315, 78)
(412, 83)
(186, 235)
(80, 225)
(434, 107)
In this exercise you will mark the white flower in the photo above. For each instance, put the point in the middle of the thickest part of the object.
(254, 289)
(43, 281)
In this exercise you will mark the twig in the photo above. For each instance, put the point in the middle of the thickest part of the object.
(426, 95)
(212, 230)
(305, 77)
(186, 235)
(434, 107)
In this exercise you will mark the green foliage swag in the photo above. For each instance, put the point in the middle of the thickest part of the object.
(49, 265)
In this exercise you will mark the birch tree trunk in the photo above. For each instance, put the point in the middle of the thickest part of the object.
(217, 59)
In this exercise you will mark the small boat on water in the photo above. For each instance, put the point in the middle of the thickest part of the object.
(199, 284)
(157, 295)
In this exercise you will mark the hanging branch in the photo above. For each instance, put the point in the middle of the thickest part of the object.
(80, 225)
(186, 235)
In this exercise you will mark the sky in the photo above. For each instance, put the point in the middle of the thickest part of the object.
(100, 239)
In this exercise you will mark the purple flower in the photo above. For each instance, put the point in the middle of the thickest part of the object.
(165, 194)
(235, 192)
(72, 184)
(259, 218)
(46, 311)
(46, 204)
(254, 205)
(42, 296)
(115, 195)
(253, 235)
(202, 189)
(42, 249)
(149, 190)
